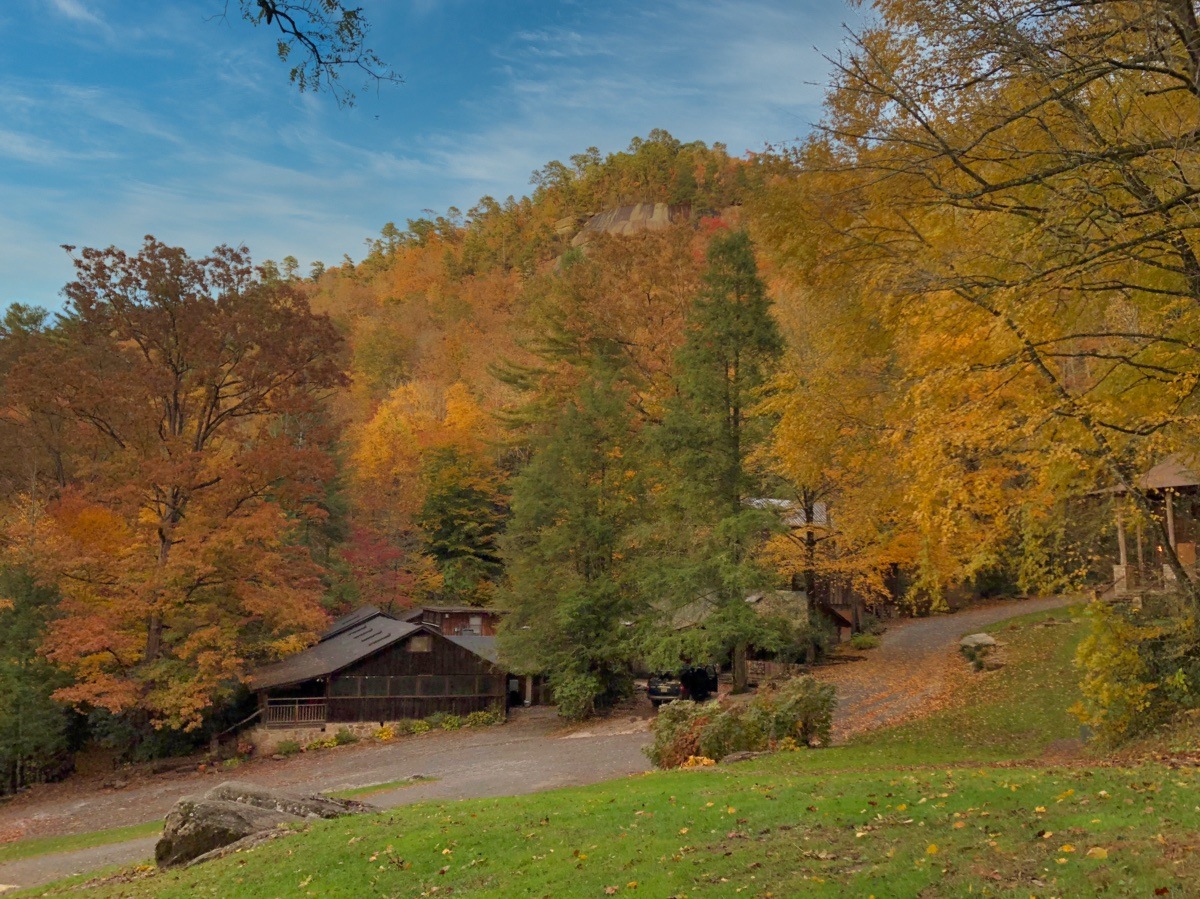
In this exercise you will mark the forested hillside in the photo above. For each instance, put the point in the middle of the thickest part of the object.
(906, 359)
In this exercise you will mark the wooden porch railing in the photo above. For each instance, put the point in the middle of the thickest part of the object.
(295, 712)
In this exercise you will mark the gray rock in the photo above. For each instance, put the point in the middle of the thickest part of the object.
(232, 812)
(255, 839)
(974, 641)
(197, 826)
(300, 806)
(742, 757)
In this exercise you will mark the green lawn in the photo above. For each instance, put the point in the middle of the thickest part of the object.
(953, 805)
(372, 789)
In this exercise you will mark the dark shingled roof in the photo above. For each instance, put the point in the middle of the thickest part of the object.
(358, 616)
(473, 610)
(334, 653)
(484, 647)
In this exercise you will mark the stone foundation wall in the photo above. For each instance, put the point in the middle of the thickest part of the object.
(267, 739)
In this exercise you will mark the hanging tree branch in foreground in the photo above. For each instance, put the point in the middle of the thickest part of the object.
(321, 39)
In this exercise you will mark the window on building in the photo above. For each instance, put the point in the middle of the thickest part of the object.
(462, 685)
(404, 686)
(374, 686)
(344, 686)
(493, 685)
(421, 643)
(431, 686)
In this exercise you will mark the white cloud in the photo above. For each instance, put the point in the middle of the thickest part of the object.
(76, 11)
(34, 150)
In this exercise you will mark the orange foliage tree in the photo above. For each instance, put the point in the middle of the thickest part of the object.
(191, 390)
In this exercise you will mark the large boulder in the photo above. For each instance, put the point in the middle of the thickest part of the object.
(300, 806)
(196, 826)
(977, 641)
(233, 811)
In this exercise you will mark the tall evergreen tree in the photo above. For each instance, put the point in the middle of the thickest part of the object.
(706, 529)
(568, 548)
(32, 725)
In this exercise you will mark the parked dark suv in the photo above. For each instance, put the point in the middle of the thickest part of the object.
(695, 682)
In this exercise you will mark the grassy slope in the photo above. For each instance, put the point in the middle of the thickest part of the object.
(895, 814)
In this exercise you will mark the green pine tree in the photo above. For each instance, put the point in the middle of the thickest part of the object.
(568, 548)
(32, 725)
(706, 531)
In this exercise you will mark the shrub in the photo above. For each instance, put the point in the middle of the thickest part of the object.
(575, 695)
(803, 709)
(344, 737)
(733, 729)
(487, 718)
(321, 743)
(232, 762)
(864, 641)
(287, 747)
(385, 734)
(676, 732)
(1138, 672)
(435, 720)
(974, 655)
(421, 727)
(798, 713)
(452, 722)
(871, 624)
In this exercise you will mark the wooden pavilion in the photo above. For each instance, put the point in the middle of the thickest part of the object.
(1173, 487)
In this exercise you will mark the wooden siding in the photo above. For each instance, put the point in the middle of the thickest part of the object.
(454, 624)
(460, 681)
(443, 658)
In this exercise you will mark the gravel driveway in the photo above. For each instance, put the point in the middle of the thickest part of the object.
(529, 754)
(914, 666)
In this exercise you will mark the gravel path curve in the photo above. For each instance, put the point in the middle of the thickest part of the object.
(915, 665)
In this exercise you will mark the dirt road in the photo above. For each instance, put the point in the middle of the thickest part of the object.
(527, 755)
(914, 666)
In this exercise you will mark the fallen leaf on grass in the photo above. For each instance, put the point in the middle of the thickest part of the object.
(1097, 852)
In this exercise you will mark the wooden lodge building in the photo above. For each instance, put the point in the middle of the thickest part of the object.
(370, 667)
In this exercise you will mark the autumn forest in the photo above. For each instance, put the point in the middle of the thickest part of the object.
(920, 357)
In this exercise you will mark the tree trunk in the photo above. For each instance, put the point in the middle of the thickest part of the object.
(154, 633)
(740, 674)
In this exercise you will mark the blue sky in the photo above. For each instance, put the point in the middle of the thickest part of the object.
(120, 118)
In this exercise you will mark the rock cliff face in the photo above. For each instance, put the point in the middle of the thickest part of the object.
(632, 219)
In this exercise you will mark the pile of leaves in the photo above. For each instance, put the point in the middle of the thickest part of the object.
(800, 712)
